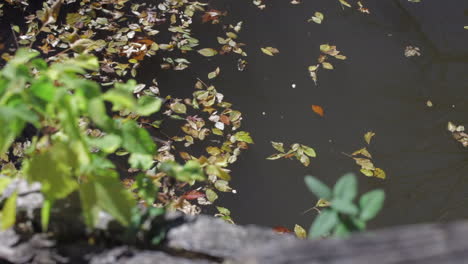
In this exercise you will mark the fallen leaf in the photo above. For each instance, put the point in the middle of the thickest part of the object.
(343, 2)
(207, 52)
(318, 110)
(317, 18)
(270, 51)
(363, 152)
(327, 65)
(368, 136)
(193, 195)
(379, 173)
(214, 73)
(300, 232)
(281, 230)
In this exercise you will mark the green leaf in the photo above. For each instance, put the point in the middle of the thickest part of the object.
(344, 206)
(44, 89)
(111, 197)
(371, 203)
(243, 136)
(141, 161)
(318, 188)
(346, 187)
(341, 231)
(45, 213)
(136, 139)
(309, 151)
(8, 215)
(323, 224)
(148, 105)
(4, 182)
(211, 195)
(222, 186)
(223, 211)
(278, 146)
(52, 168)
(207, 52)
(108, 143)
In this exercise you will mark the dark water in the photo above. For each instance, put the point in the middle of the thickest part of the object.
(376, 89)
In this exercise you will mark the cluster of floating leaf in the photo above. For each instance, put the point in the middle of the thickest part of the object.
(301, 152)
(363, 158)
(124, 33)
(327, 51)
(458, 133)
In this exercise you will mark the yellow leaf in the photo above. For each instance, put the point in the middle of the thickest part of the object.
(322, 203)
(379, 173)
(368, 173)
(300, 232)
(214, 73)
(270, 51)
(327, 65)
(365, 163)
(363, 152)
(343, 2)
(340, 57)
(325, 48)
(368, 136)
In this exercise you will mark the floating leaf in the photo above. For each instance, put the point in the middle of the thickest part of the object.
(327, 65)
(343, 2)
(368, 136)
(318, 110)
(193, 195)
(363, 152)
(270, 51)
(317, 18)
(211, 195)
(278, 146)
(207, 52)
(365, 163)
(214, 73)
(379, 173)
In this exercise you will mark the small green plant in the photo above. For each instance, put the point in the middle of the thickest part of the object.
(64, 156)
(341, 216)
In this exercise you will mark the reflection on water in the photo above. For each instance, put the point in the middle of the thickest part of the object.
(376, 89)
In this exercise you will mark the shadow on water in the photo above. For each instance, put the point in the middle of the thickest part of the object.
(376, 89)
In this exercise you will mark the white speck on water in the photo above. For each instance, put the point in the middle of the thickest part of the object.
(263, 113)
(330, 140)
(453, 106)
(293, 85)
(282, 117)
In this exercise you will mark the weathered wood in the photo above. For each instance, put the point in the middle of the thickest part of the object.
(205, 240)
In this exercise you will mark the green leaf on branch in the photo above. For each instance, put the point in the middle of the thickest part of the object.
(346, 187)
(318, 188)
(323, 224)
(370, 204)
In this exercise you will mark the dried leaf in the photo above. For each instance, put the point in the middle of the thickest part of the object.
(327, 65)
(343, 2)
(281, 230)
(270, 51)
(214, 73)
(318, 110)
(368, 136)
(379, 173)
(207, 52)
(363, 152)
(300, 232)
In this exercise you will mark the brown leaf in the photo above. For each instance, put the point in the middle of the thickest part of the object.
(281, 230)
(193, 195)
(318, 110)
